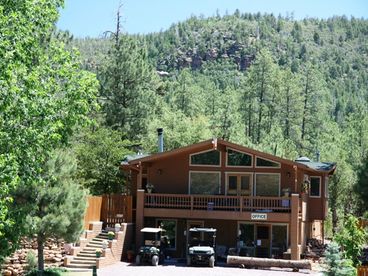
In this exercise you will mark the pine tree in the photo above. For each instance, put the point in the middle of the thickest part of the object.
(128, 85)
(60, 203)
(336, 264)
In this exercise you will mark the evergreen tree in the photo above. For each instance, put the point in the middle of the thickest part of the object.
(60, 203)
(128, 85)
(99, 152)
(361, 186)
(336, 264)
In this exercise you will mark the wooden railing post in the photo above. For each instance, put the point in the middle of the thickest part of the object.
(294, 227)
(241, 199)
(139, 217)
(191, 202)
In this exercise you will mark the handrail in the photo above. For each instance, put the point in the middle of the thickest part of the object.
(218, 202)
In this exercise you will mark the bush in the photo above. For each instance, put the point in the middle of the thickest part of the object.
(351, 238)
(31, 261)
(336, 264)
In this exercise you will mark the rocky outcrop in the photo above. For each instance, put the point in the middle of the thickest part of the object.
(16, 264)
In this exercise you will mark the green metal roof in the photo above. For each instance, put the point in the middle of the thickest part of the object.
(318, 166)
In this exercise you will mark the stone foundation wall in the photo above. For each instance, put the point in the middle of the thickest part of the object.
(16, 264)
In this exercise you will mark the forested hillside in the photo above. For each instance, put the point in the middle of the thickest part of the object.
(283, 86)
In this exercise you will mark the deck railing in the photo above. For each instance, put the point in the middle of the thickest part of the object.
(218, 202)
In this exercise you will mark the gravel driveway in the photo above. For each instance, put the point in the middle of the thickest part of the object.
(180, 269)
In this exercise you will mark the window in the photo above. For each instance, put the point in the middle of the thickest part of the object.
(267, 184)
(261, 162)
(239, 184)
(204, 183)
(238, 159)
(279, 240)
(207, 158)
(315, 186)
(169, 235)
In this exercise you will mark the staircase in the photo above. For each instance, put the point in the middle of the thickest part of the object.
(86, 258)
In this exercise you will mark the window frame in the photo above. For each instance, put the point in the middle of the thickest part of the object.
(232, 166)
(213, 172)
(255, 183)
(320, 186)
(176, 230)
(201, 165)
(251, 182)
(265, 167)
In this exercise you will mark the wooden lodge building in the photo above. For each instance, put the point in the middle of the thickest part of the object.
(260, 204)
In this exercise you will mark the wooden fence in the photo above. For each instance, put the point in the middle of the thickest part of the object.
(116, 209)
(362, 271)
(93, 212)
(109, 209)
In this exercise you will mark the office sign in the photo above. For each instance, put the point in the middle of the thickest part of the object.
(258, 216)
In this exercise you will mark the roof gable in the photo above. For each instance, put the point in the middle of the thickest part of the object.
(214, 144)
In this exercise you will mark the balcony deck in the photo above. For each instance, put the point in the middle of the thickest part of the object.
(216, 206)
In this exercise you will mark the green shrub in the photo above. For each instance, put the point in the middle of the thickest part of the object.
(31, 261)
(336, 264)
(351, 238)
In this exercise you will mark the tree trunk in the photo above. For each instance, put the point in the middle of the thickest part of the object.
(334, 220)
(306, 91)
(41, 265)
(263, 262)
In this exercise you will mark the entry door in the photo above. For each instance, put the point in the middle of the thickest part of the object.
(263, 241)
(239, 184)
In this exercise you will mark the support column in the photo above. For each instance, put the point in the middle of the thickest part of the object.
(294, 227)
(139, 220)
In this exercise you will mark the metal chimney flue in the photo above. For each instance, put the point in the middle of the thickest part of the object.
(160, 134)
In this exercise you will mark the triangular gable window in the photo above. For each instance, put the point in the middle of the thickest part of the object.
(238, 159)
(261, 162)
(207, 158)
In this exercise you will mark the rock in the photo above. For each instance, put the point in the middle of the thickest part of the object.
(56, 259)
(7, 272)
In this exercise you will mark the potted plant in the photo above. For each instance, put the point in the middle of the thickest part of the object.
(111, 235)
(305, 186)
(117, 227)
(286, 192)
(149, 187)
(98, 252)
(105, 244)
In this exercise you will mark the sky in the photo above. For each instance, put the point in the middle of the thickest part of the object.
(91, 18)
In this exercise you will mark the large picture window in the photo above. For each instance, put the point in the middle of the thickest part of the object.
(207, 158)
(267, 184)
(315, 186)
(168, 237)
(204, 183)
(238, 159)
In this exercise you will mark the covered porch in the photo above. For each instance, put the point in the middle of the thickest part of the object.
(289, 211)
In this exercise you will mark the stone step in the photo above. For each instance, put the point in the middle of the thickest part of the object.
(95, 246)
(96, 242)
(86, 254)
(99, 239)
(91, 262)
(85, 258)
(73, 265)
(88, 251)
